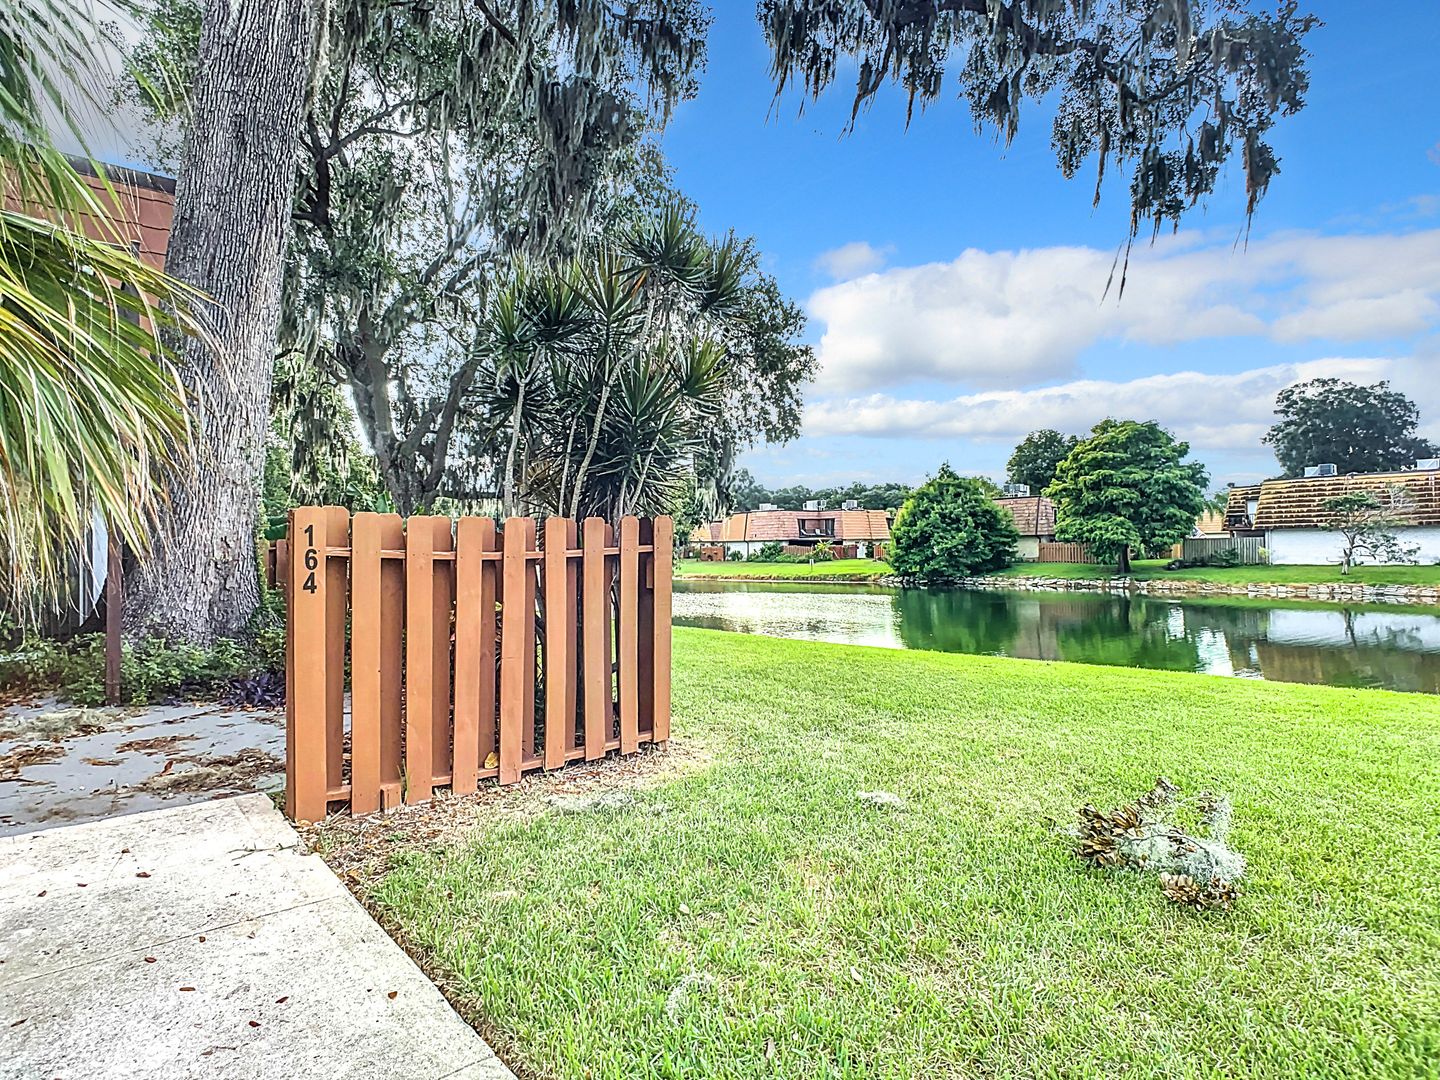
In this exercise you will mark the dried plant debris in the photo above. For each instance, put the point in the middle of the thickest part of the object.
(1186, 891)
(882, 798)
(1197, 868)
(57, 724)
(12, 761)
(213, 772)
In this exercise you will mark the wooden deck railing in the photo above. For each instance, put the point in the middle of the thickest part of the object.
(473, 651)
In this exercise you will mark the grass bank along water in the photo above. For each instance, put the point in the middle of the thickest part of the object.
(1393, 647)
(755, 917)
(1364, 584)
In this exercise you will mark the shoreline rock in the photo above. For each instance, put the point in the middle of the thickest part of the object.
(1338, 591)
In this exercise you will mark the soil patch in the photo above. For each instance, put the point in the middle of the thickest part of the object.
(359, 849)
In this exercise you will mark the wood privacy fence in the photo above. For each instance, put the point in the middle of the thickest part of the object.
(1248, 548)
(473, 651)
(1072, 553)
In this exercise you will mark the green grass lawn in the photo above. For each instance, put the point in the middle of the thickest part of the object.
(1146, 569)
(845, 569)
(752, 918)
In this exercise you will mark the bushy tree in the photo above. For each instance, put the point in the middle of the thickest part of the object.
(1127, 488)
(949, 529)
(1368, 526)
(1356, 428)
(1036, 458)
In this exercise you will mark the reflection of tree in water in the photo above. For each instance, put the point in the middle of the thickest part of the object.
(1089, 628)
(1130, 632)
(957, 620)
(1239, 627)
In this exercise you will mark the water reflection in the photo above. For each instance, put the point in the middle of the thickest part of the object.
(1288, 643)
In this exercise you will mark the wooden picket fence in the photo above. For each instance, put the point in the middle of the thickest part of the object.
(1071, 553)
(1249, 549)
(473, 651)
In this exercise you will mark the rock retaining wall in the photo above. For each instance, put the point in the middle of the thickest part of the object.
(1367, 594)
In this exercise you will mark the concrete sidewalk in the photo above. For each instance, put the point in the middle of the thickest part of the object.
(199, 942)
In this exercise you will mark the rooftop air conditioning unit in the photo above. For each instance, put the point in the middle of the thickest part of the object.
(1427, 464)
(767, 506)
(1016, 491)
(1326, 469)
(850, 504)
(814, 504)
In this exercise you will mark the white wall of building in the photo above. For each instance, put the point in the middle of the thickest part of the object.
(1322, 546)
(1028, 548)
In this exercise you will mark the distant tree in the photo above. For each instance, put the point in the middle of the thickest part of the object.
(749, 494)
(1356, 428)
(990, 487)
(1174, 86)
(1127, 487)
(1368, 526)
(746, 492)
(950, 529)
(1218, 500)
(1035, 459)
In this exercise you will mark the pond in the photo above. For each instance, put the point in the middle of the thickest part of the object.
(1286, 642)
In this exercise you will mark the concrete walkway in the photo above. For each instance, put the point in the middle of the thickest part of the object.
(199, 942)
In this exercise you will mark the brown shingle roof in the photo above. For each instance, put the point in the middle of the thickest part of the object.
(853, 525)
(1034, 514)
(784, 526)
(1299, 504)
(1237, 514)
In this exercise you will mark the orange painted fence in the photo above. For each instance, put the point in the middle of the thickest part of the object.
(474, 651)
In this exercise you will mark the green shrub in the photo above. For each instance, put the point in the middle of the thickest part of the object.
(950, 529)
(1222, 559)
(154, 670)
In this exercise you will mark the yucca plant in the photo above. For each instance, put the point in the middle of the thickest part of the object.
(91, 410)
(600, 381)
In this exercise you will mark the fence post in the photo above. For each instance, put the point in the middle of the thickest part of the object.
(626, 620)
(365, 565)
(645, 629)
(337, 605)
(306, 682)
(597, 640)
(419, 657)
(664, 554)
(473, 537)
(559, 660)
(517, 647)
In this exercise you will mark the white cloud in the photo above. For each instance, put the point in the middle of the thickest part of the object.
(997, 319)
(1228, 412)
(850, 260)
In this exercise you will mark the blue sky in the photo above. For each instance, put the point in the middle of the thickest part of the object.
(954, 285)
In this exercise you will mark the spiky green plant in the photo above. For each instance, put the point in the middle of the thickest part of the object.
(91, 409)
(600, 382)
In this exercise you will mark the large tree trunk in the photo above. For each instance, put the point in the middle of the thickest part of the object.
(233, 201)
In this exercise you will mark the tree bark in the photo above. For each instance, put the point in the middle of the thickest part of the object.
(233, 201)
(1123, 564)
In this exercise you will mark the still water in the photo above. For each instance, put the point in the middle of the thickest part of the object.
(1396, 650)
